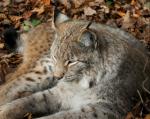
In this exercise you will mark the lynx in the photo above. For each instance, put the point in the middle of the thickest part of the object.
(100, 70)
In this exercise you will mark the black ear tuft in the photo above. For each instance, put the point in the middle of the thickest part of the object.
(59, 17)
(87, 38)
(10, 38)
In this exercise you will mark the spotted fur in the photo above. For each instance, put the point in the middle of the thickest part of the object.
(33, 45)
(101, 68)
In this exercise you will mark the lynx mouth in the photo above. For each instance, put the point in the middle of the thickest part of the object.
(58, 78)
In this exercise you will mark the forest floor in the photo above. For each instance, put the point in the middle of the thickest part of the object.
(131, 15)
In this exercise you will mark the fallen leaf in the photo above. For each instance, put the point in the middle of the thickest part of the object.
(6, 3)
(129, 116)
(117, 6)
(109, 2)
(78, 3)
(99, 1)
(39, 10)
(147, 5)
(46, 2)
(91, 4)
(35, 22)
(147, 116)
(28, 115)
(2, 16)
(1, 45)
(133, 2)
(88, 11)
(15, 18)
(17, 25)
(66, 3)
(120, 13)
(136, 15)
(127, 21)
(105, 9)
(27, 15)
(26, 25)
(19, 1)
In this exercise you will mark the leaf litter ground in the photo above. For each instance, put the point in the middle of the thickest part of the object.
(131, 15)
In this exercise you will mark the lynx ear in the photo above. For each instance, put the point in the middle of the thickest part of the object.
(59, 18)
(87, 38)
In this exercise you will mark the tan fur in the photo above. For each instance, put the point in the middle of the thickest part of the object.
(37, 42)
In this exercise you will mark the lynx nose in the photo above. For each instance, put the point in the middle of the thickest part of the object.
(58, 75)
(59, 70)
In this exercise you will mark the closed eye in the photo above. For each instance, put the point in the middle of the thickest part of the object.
(85, 62)
(70, 63)
(73, 63)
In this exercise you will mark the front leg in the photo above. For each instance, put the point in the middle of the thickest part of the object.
(45, 102)
(25, 86)
(39, 78)
(87, 112)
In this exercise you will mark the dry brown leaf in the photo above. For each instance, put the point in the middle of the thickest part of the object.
(88, 11)
(27, 15)
(127, 21)
(147, 116)
(129, 116)
(28, 115)
(75, 3)
(78, 3)
(136, 15)
(1, 45)
(19, 1)
(147, 5)
(39, 10)
(46, 2)
(99, 1)
(122, 14)
(6, 3)
(15, 18)
(133, 2)
(105, 9)
(65, 2)
(2, 16)
(17, 24)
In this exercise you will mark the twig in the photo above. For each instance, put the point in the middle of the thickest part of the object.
(143, 86)
(140, 96)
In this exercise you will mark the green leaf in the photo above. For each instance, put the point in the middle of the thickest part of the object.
(109, 2)
(26, 23)
(147, 5)
(26, 28)
(35, 22)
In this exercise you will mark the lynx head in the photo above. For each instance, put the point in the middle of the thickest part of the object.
(75, 44)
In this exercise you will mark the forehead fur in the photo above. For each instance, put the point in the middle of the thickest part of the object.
(72, 27)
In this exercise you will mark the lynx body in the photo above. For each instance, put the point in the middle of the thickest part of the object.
(101, 68)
